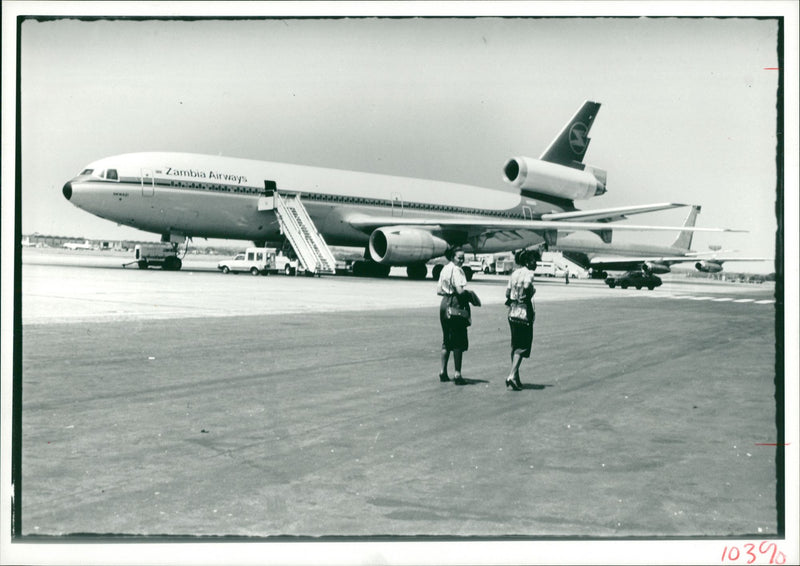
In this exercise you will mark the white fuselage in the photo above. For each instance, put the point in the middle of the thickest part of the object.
(217, 197)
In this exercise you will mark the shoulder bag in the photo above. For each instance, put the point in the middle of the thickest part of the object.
(455, 311)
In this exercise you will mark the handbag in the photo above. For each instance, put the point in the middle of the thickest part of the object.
(518, 313)
(455, 311)
(459, 313)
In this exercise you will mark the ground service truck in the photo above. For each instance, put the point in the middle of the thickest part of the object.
(162, 254)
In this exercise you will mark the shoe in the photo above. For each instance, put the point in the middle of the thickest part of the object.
(460, 381)
(443, 377)
(513, 385)
(518, 382)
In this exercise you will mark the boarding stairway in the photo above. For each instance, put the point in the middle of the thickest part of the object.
(308, 244)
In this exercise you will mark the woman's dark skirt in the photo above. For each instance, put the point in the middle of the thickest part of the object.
(521, 338)
(454, 331)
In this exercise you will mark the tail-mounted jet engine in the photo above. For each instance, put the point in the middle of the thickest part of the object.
(528, 174)
(708, 266)
(399, 245)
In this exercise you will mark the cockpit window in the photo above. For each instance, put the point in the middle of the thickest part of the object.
(112, 175)
(87, 172)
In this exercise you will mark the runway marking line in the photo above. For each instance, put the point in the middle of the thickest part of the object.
(713, 299)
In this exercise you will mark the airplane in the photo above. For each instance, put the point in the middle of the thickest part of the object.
(398, 221)
(78, 245)
(705, 262)
(595, 256)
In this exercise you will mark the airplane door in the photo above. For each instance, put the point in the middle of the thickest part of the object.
(397, 204)
(148, 183)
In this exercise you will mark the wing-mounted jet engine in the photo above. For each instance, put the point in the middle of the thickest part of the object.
(708, 266)
(655, 267)
(401, 245)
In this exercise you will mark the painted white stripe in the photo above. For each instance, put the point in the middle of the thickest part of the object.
(693, 298)
(662, 295)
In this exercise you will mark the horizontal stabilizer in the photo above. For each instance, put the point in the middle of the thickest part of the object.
(610, 214)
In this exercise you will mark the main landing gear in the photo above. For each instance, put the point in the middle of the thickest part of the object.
(369, 268)
(417, 271)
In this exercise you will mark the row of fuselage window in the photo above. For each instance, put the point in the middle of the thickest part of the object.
(323, 197)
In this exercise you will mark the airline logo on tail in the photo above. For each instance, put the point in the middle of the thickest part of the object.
(573, 140)
(577, 138)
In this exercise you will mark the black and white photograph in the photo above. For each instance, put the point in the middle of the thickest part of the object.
(399, 283)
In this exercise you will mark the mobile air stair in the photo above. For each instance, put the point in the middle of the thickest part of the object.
(305, 239)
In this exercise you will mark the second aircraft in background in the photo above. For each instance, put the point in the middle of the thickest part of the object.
(600, 257)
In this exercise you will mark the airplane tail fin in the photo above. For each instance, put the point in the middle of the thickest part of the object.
(684, 239)
(571, 144)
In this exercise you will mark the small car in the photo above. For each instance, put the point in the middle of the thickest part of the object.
(636, 279)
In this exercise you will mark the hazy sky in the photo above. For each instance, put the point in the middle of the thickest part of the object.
(688, 105)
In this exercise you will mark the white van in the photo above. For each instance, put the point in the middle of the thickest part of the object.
(547, 268)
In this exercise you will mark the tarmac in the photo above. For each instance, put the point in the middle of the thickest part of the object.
(193, 403)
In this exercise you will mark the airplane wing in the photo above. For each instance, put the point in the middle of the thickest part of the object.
(610, 214)
(611, 263)
(482, 226)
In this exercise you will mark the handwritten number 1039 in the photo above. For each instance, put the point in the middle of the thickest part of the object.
(749, 553)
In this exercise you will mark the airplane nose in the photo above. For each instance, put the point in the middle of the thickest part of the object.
(67, 190)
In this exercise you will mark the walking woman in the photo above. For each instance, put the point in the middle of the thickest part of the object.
(454, 305)
(521, 312)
